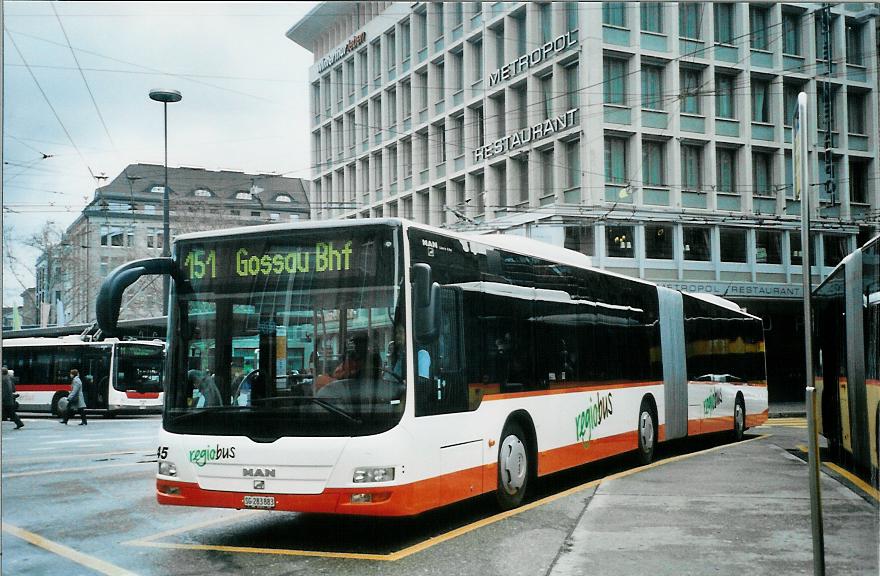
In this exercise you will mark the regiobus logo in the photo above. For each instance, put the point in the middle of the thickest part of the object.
(202, 456)
(592, 417)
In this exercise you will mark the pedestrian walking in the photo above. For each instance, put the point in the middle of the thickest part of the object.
(75, 400)
(9, 399)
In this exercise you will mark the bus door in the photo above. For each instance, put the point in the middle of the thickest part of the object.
(95, 375)
(441, 386)
(675, 385)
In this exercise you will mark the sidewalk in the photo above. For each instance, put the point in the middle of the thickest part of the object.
(741, 509)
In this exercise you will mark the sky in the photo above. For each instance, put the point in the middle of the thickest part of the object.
(76, 80)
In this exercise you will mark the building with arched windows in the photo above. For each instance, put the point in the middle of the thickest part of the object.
(123, 222)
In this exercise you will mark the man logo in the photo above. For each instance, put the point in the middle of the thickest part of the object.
(259, 484)
(258, 472)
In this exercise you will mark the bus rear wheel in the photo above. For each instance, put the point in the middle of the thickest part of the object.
(647, 431)
(55, 399)
(513, 467)
(739, 419)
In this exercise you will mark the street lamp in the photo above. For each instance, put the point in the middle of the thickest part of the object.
(165, 96)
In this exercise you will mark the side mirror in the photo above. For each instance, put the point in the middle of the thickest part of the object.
(110, 295)
(426, 302)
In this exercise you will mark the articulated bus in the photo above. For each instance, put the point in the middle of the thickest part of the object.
(382, 367)
(847, 328)
(118, 376)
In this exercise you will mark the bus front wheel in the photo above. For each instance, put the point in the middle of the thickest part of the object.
(647, 432)
(739, 419)
(513, 467)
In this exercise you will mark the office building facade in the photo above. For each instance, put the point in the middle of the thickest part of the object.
(654, 137)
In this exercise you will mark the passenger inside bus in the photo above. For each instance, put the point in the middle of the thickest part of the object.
(209, 395)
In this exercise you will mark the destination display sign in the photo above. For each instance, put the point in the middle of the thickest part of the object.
(226, 263)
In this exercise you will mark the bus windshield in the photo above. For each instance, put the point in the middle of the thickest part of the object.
(139, 368)
(288, 334)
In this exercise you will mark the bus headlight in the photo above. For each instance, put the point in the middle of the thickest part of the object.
(167, 468)
(363, 475)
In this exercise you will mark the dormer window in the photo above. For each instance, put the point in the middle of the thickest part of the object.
(157, 189)
(244, 196)
(283, 198)
(202, 192)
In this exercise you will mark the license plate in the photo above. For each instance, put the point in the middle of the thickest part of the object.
(259, 501)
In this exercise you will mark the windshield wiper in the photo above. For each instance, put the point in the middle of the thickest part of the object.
(330, 407)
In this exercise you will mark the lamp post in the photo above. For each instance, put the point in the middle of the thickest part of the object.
(165, 96)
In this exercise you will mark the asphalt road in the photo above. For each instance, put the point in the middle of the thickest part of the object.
(80, 500)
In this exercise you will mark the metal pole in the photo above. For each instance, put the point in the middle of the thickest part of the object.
(815, 492)
(802, 187)
(166, 232)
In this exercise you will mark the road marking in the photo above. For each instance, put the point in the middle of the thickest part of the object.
(78, 469)
(69, 553)
(787, 422)
(151, 541)
(869, 490)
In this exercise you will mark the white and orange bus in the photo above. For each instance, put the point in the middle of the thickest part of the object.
(118, 376)
(381, 367)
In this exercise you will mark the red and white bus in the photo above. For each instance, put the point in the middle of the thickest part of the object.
(118, 376)
(381, 367)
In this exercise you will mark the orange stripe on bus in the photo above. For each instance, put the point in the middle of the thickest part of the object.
(586, 388)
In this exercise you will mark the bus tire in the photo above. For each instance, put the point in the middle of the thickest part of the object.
(647, 432)
(739, 418)
(58, 396)
(513, 467)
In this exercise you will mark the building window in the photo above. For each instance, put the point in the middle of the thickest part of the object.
(658, 242)
(856, 117)
(723, 23)
(725, 96)
(733, 245)
(820, 37)
(652, 87)
(283, 198)
(546, 22)
(202, 193)
(758, 17)
(760, 101)
(244, 196)
(690, 90)
(477, 61)
(499, 46)
(572, 86)
(691, 167)
(520, 33)
(157, 189)
(580, 239)
(653, 163)
(619, 241)
(154, 237)
(836, 248)
(690, 20)
(696, 244)
(112, 236)
(480, 122)
(547, 170)
(854, 52)
(405, 45)
(791, 34)
(762, 179)
(725, 170)
(614, 75)
(573, 164)
(652, 16)
(821, 113)
(768, 247)
(858, 181)
(614, 14)
(546, 95)
(615, 160)
(391, 51)
(797, 254)
(790, 97)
